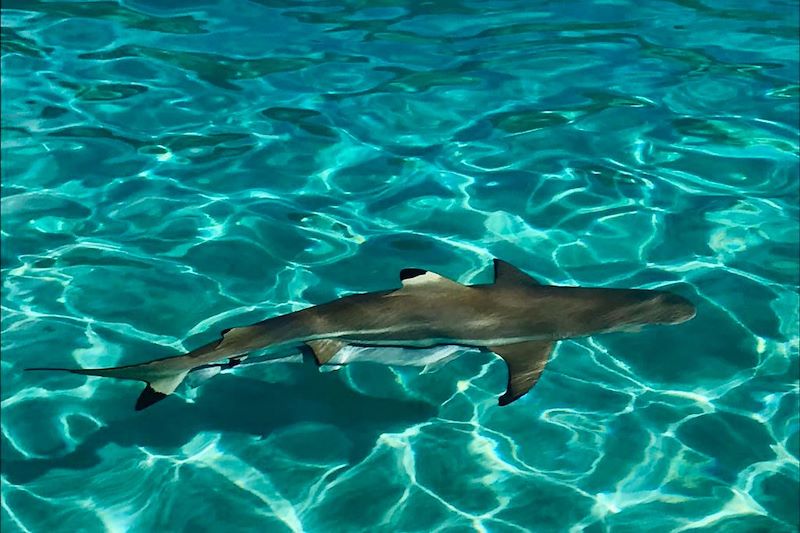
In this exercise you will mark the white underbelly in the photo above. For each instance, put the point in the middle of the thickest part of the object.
(395, 356)
(430, 358)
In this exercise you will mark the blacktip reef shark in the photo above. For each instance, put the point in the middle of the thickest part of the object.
(515, 317)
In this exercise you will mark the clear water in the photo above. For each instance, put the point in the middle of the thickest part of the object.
(171, 168)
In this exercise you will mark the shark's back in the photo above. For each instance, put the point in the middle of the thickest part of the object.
(515, 317)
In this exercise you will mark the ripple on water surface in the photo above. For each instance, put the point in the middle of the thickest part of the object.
(170, 170)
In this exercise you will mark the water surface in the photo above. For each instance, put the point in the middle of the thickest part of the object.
(172, 168)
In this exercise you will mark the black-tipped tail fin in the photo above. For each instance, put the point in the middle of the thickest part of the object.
(161, 382)
(148, 397)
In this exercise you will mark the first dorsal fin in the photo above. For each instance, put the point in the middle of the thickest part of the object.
(508, 274)
(413, 277)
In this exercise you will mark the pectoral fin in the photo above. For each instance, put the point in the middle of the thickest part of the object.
(325, 349)
(525, 361)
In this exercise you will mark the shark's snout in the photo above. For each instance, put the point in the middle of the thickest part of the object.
(673, 309)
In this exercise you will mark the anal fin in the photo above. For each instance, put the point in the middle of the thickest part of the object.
(525, 361)
(325, 349)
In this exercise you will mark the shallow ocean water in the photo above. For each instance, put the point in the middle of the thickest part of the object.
(172, 168)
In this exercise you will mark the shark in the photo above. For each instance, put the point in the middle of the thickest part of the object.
(515, 317)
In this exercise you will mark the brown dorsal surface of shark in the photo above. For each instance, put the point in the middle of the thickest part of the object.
(515, 317)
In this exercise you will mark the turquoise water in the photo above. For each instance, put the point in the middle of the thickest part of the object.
(174, 168)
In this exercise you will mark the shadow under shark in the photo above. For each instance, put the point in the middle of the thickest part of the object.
(219, 410)
(515, 317)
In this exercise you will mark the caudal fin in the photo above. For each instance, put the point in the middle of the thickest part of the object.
(161, 380)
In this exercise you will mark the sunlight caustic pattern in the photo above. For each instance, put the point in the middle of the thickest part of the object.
(171, 169)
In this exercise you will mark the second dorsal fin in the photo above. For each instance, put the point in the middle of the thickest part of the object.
(508, 274)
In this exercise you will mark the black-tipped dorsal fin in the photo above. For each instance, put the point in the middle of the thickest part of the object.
(525, 361)
(325, 349)
(508, 274)
(416, 277)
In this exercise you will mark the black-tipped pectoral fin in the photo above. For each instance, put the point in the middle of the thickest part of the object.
(525, 361)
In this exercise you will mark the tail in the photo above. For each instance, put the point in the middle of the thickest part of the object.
(161, 377)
